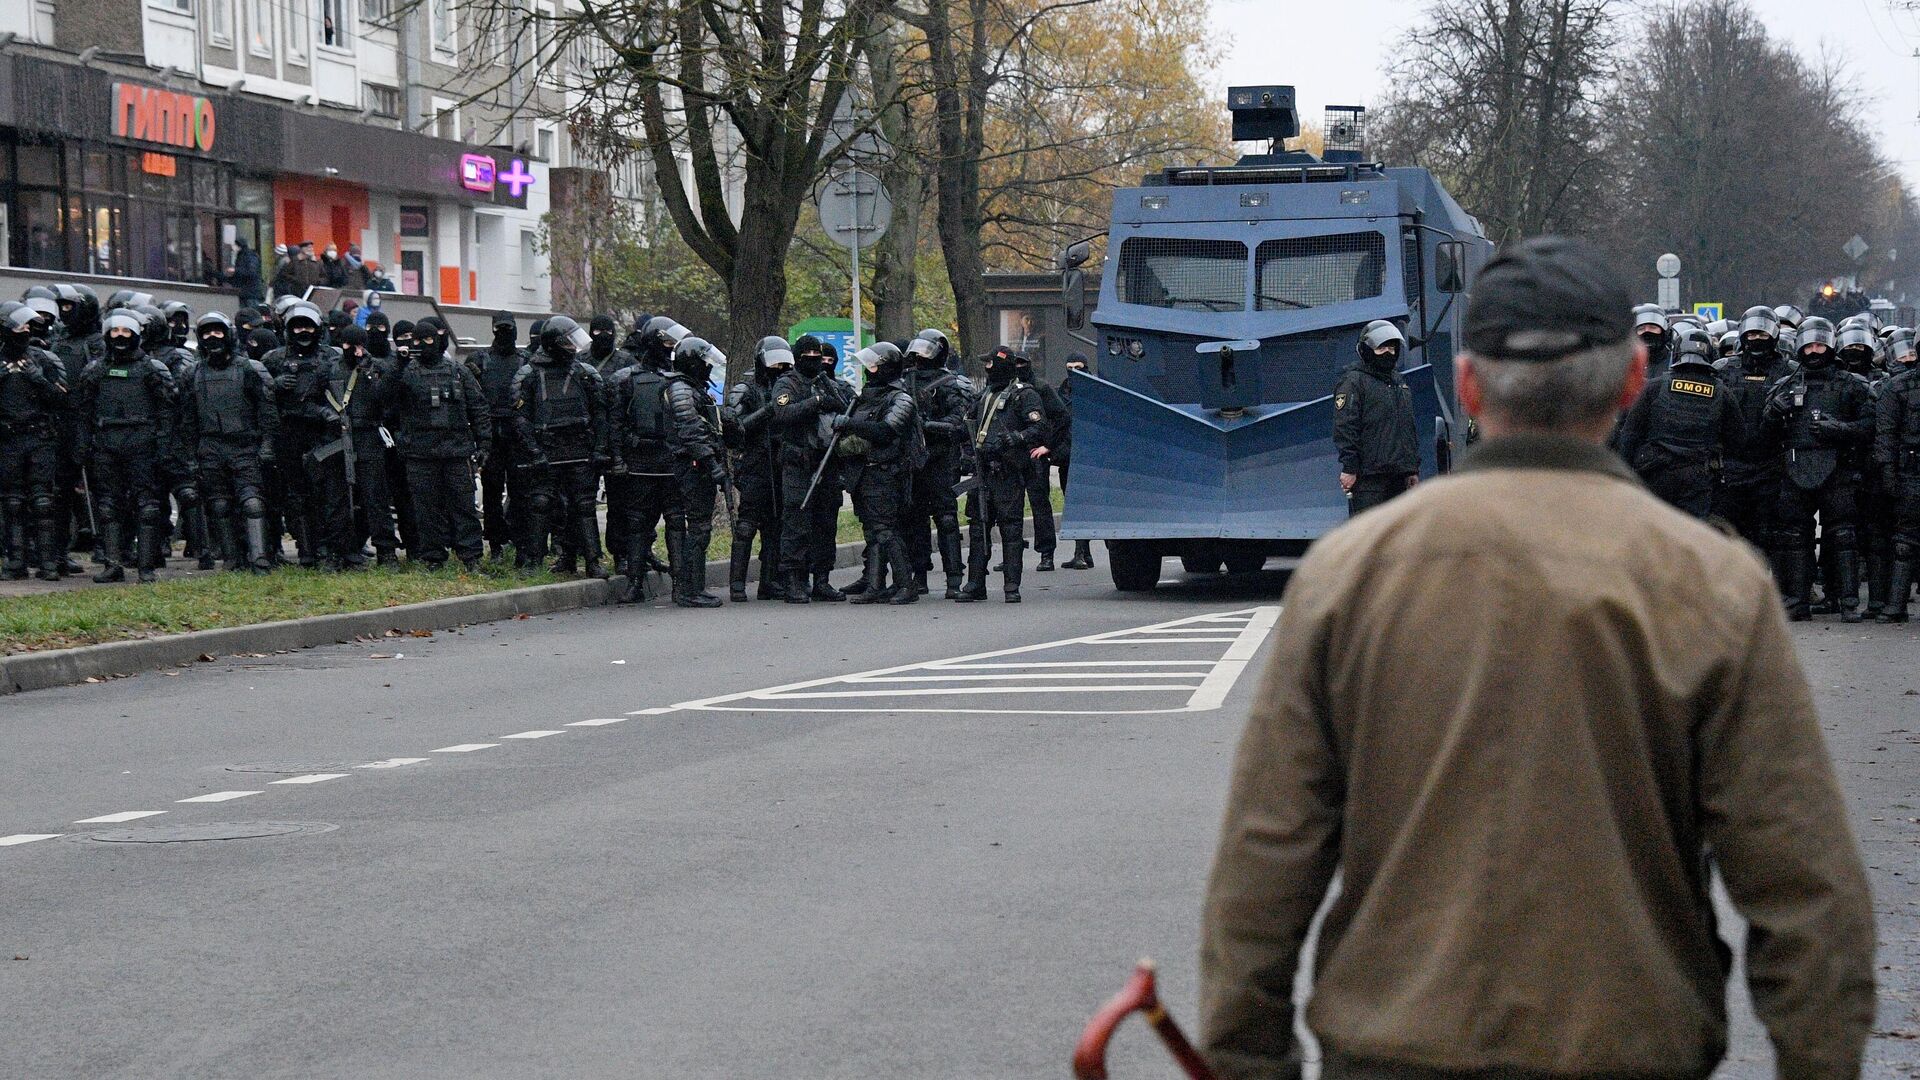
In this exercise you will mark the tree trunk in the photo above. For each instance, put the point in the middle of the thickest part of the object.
(895, 275)
(959, 105)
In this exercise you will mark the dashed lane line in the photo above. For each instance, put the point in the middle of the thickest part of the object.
(602, 721)
(219, 796)
(532, 734)
(391, 763)
(312, 778)
(464, 748)
(115, 819)
(26, 838)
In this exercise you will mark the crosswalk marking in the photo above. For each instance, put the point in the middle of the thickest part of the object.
(1159, 660)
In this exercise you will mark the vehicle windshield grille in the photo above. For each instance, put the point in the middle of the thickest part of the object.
(1184, 274)
(1314, 271)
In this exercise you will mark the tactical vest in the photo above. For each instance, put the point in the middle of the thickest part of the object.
(1683, 414)
(1749, 382)
(19, 399)
(496, 378)
(220, 400)
(1810, 462)
(560, 405)
(362, 409)
(1906, 387)
(124, 400)
(437, 403)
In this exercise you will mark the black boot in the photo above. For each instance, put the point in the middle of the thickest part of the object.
(1045, 566)
(737, 565)
(587, 532)
(153, 553)
(920, 583)
(221, 527)
(824, 591)
(198, 537)
(1082, 556)
(952, 562)
(47, 532)
(258, 556)
(907, 585)
(1011, 575)
(16, 547)
(636, 590)
(1899, 583)
(772, 585)
(797, 588)
(1799, 566)
(1848, 594)
(974, 589)
(676, 539)
(111, 568)
(861, 586)
(690, 580)
(1879, 575)
(867, 590)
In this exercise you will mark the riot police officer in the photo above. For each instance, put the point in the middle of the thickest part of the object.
(124, 403)
(1752, 470)
(296, 366)
(693, 431)
(1651, 326)
(1824, 415)
(444, 424)
(609, 359)
(179, 322)
(642, 469)
(380, 337)
(748, 420)
(1007, 424)
(805, 400)
(1680, 426)
(941, 397)
(560, 424)
(228, 419)
(1896, 456)
(1039, 480)
(1063, 453)
(1373, 426)
(881, 444)
(77, 342)
(32, 393)
(351, 469)
(501, 484)
(1859, 347)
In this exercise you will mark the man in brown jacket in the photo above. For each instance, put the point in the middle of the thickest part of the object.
(1525, 712)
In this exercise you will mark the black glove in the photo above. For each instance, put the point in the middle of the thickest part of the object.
(839, 423)
(1830, 429)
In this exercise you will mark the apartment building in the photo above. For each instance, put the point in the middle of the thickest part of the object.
(149, 138)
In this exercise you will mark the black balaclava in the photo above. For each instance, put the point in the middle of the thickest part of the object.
(303, 336)
(506, 332)
(123, 349)
(809, 358)
(261, 342)
(602, 331)
(216, 345)
(1001, 368)
(337, 321)
(378, 345)
(16, 342)
(352, 342)
(406, 340)
(432, 336)
(178, 329)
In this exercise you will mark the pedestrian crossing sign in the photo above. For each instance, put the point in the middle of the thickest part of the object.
(1713, 312)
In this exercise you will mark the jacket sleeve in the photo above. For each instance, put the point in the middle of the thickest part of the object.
(1733, 426)
(1346, 424)
(614, 399)
(792, 420)
(1774, 818)
(1030, 416)
(1279, 846)
(478, 421)
(186, 418)
(1631, 435)
(596, 409)
(262, 390)
(160, 386)
(690, 432)
(522, 421)
(1886, 424)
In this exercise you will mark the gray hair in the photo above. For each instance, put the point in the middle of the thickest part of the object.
(1576, 389)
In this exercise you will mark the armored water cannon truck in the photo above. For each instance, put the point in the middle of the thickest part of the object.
(1232, 300)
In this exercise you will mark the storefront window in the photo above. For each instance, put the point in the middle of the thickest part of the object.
(38, 226)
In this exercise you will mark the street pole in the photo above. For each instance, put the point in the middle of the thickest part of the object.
(857, 342)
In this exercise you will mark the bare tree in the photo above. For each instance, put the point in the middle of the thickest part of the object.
(1504, 100)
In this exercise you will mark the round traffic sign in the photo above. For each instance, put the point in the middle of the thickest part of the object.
(855, 207)
(1668, 265)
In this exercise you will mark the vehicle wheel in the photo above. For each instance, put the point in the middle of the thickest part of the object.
(1246, 562)
(1135, 565)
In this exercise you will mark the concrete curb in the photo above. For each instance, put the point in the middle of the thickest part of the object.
(64, 667)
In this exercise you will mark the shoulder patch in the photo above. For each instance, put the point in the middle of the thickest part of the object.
(784, 399)
(1035, 415)
(1339, 401)
(1694, 387)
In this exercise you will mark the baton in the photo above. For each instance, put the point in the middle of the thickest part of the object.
(1090, 1055)
(824, 458)
(551, 464)
(86, 493)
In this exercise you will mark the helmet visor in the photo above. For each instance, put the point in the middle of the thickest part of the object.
(777, 357)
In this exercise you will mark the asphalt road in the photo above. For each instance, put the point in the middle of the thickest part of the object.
(767, 841)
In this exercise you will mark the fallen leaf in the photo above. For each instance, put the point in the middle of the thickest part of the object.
(171, 674)
(422, 633)
(380, 656)
(524, 615)
(392, 633)
(204, 658)
(95, 678)
(19, 958)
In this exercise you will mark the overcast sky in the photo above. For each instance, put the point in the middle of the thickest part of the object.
(1333, 53)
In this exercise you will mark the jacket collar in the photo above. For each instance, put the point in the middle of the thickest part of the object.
(1531, 451)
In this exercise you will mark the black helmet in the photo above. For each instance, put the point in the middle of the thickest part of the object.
(562, 339)
(1818, 331)
(773, 352)
(47, 310)
(154, 329)
(119, 320)
(17, 322)
(1857, 339)
(303, 311)
(224, 339)
(175, 311)
(696, 358)
(1692, 345)
(42, 291)
(1900, 347)
(931, 346)
(662, 332)
(1790, 315)
(882, 361)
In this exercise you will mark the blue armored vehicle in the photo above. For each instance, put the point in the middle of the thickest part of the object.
(1232, 299)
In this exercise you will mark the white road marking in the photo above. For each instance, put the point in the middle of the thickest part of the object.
(391, 763)
(115, 819)
(26, 838)
(312, 778)
(219, 796)
(464, 748)
(532, 734)
(600, 722)
(1201, 689)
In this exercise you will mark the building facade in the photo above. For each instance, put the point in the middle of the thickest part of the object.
(155, 138)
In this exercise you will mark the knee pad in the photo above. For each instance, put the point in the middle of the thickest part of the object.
(43, 505)
(541, 503)
(218, 508)
(1843, 538)
(12, 507)
(743, 531)
(187, 495)
(254, 507)
(948, 522)
(152, 513)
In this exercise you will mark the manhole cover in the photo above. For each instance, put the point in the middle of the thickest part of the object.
(211, 830)
(294, 768)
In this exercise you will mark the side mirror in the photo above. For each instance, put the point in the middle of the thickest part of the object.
(1076, 254)
(1450, 266)
(1073, 293)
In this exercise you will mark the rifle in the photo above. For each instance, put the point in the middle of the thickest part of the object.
(824, 458)
(86, 495)
(320, 455)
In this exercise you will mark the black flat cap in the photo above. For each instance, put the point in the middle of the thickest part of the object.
(1546, 297)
